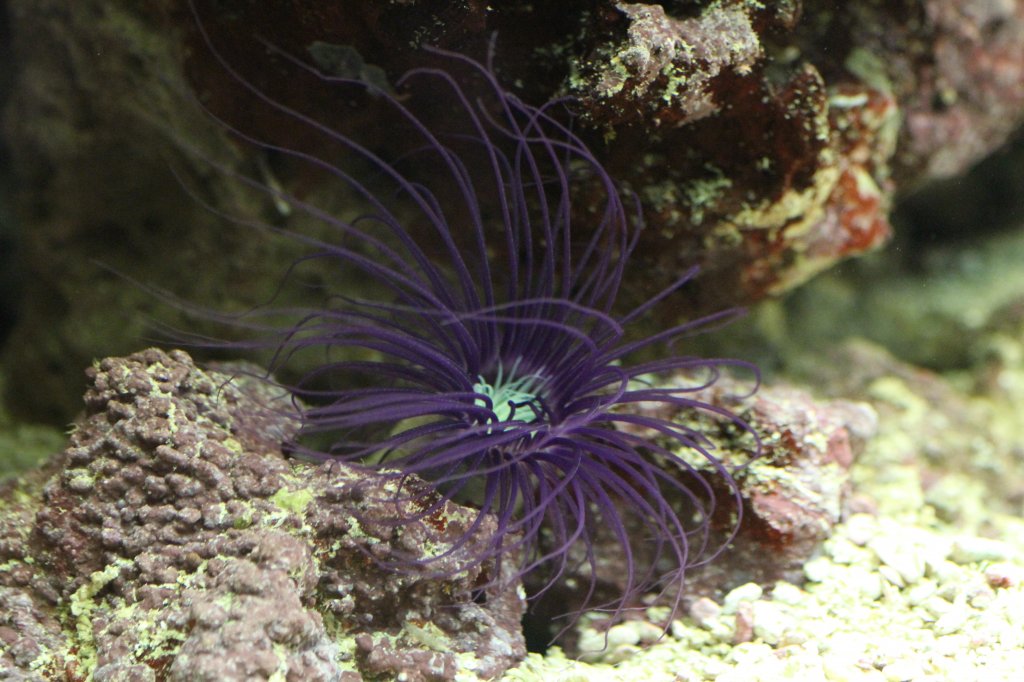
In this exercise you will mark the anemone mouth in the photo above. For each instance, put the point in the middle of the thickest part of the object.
(511, 395)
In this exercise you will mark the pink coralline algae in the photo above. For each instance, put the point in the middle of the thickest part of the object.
(176, 542)
(665, 71)
(793, 495)
(768, 139)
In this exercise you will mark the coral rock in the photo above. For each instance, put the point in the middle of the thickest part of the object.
(188, 548)
(795, 492)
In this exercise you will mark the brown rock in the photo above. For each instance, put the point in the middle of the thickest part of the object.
(189, 548)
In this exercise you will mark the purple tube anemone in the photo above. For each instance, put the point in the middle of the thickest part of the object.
(494, 363)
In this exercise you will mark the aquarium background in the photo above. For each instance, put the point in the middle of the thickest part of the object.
(916, 327)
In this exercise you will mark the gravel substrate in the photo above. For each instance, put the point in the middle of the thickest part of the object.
(924, 584)
(887, 601)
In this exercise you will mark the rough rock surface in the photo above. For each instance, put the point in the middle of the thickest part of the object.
(796, 491)
(793, 494)
(973, 439)
(172, 540)
(666, 68)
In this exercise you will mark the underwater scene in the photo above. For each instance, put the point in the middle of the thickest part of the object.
(437, 341)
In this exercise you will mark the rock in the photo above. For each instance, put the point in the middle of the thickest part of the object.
(795, 492)
(793, 495)
(760, 145)
(187, 547)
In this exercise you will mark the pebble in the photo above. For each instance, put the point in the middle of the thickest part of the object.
(892, 576)
(771, 622)
(863, 581)
(843, 551)
(920, 592)
(952, 621)
(1003, 575)
(704, 610)
(903, 557)
(972, 550)
(819, 570)
(623, 634)
(860, 528)
(788, 593)
(903, 670)
(748, 592)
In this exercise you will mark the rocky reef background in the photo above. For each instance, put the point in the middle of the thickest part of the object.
(774, 143)
(767, 141)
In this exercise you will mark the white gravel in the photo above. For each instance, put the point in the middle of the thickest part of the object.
(898, 595)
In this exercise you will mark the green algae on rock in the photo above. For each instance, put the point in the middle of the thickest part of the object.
(172, 540)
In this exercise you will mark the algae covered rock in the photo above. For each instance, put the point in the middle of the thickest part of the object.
(173, 540)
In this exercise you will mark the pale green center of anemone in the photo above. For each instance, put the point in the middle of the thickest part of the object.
(511, 396)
